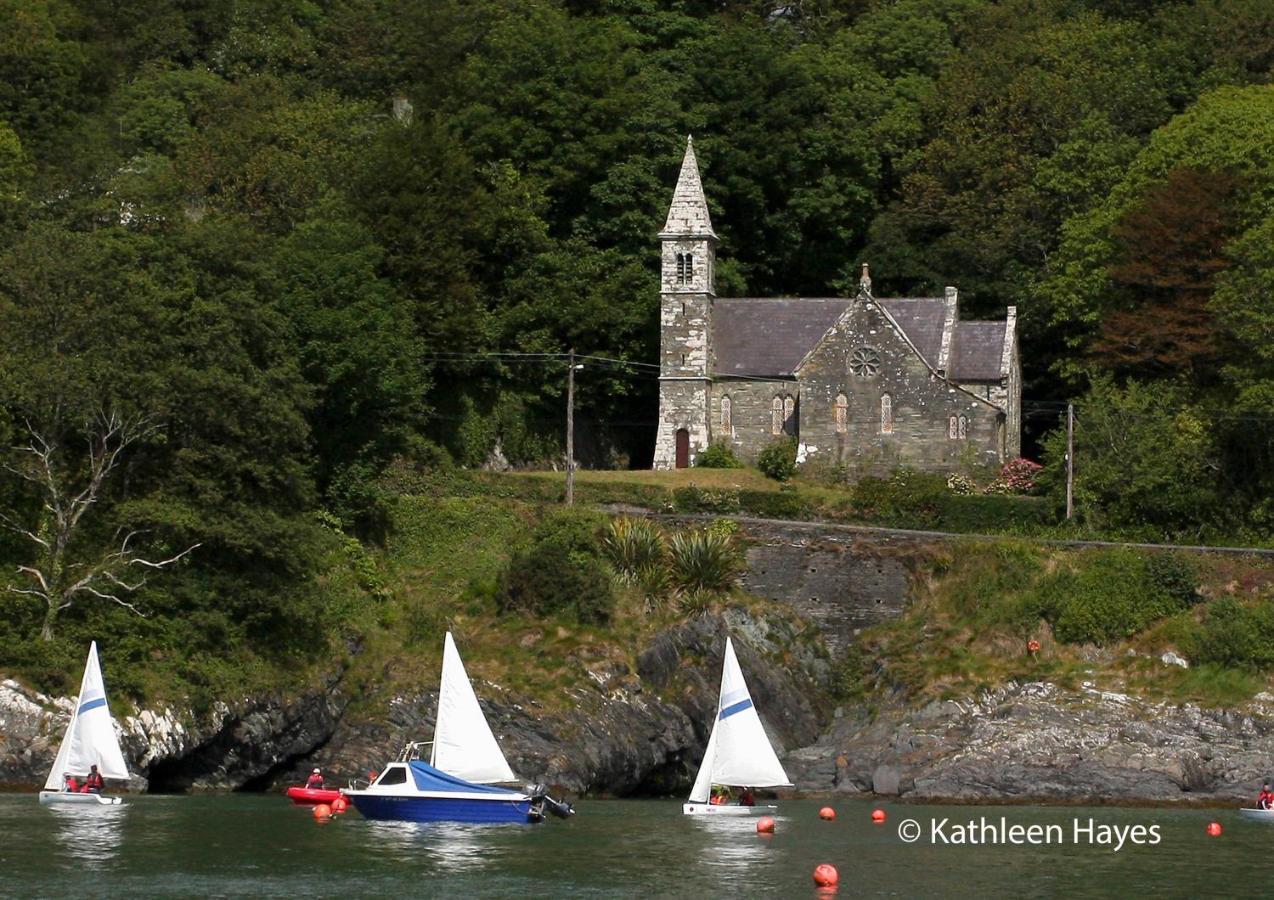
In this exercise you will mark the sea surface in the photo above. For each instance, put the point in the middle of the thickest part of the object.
(245, 845)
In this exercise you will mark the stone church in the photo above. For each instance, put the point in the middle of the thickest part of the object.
(866, 382)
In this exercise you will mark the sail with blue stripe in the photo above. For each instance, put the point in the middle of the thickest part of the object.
(90, 737)
(739, 752)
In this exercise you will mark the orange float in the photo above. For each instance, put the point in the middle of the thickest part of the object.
(765, 825)
(827, 813)
(878, 815)
(1214, 829)
(825, 875)
(339, 805)
(322, 812)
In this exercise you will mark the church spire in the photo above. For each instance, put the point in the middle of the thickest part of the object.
(688, 216)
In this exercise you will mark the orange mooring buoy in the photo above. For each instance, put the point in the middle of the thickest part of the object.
(765, 825)
(339, 805)
(1214, 829)
(827, 813)
(322, 812)
(825, 875)
(878, 815)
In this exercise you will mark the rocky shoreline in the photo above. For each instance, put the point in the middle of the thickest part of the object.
(1036, 742)
(642, 731)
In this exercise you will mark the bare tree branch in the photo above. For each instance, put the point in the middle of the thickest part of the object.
(109, 435)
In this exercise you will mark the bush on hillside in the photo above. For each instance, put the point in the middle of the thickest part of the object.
(719, 455)
(906, 499)
(1234, 634)
(561, 572)
(704, 561)
(633, 545)
(1111, 598)
(778, 460)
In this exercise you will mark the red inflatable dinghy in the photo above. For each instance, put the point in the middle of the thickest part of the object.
(311, 796)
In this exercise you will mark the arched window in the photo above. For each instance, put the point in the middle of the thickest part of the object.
(842, 413)
(727, 427)
(789, 414)
(964, 427)
(776, 416)
(886, 414)
(685, 268)
(953, 428)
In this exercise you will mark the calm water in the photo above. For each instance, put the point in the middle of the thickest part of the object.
(261, 846)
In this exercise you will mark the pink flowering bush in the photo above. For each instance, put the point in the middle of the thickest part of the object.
(1017, 476)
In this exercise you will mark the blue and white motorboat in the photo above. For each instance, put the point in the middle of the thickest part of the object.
(460, 781)
(415, 791)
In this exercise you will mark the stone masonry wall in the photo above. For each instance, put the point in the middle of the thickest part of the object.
(922, 405)
(751, 417)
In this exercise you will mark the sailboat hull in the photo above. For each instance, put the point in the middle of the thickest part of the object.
(442, 809)
(66, 798)
(708, 809)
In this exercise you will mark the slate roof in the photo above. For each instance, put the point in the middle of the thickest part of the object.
(977, 350)
(766, 337)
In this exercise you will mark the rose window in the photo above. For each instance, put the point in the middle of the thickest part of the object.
(864, 362)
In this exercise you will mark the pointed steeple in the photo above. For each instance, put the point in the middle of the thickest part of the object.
(688, 216)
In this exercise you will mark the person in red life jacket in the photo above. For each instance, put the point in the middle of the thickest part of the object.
(71, 783)
(747, 798)
(93, 783)
(315, 781)
(1266, 799)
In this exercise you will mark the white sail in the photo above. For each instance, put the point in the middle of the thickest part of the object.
(90, 738)
(463, 743)
(739, 753)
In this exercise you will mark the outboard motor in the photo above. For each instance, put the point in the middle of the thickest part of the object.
(541, 801)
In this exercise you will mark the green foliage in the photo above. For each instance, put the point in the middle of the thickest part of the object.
(719, 455)
(1111, 597)
(1234, 634)
(704, 561)
(693, 498)
(561, 572)
(1144, 462)
(907, 498)
(778, 459)
(634, 546)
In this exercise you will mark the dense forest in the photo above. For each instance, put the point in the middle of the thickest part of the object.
(253, 251)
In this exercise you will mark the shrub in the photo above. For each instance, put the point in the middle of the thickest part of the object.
(775, 505)
(693, 498)
(719, 455)
(1233, 634)
(561, 572)
(907, 499)
(704, 561)
(960, 484)
(1174, 576)
(778, 460)
(633, 545)
(1110, 598)
(1017, 476)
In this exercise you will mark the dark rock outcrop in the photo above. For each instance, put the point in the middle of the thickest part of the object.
(231, 746)
(633, 732)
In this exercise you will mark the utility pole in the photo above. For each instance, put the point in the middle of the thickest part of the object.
(1070, 460)
(570, 429)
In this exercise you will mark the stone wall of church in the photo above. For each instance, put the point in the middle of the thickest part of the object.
(925, 423)
(683, 403)
(751, 419)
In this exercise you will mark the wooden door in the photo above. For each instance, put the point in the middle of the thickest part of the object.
(683, 448)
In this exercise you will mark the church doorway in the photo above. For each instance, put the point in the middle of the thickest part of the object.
(683, 448)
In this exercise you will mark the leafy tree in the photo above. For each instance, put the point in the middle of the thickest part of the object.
(1145, 461)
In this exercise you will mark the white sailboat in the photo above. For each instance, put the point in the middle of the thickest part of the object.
(90, 741)
(739, 753)
(463, 743)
